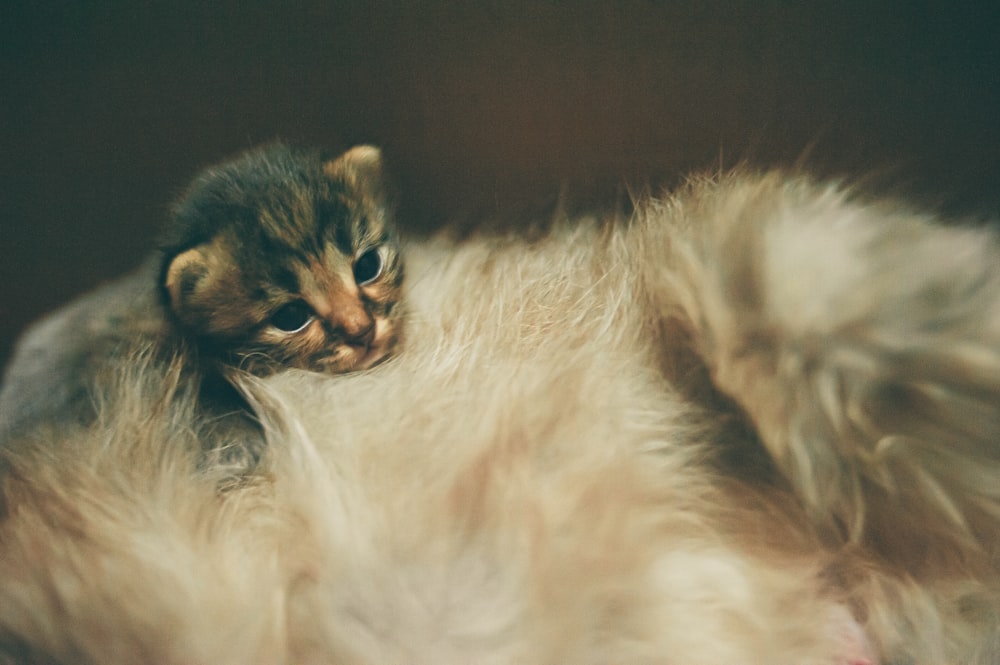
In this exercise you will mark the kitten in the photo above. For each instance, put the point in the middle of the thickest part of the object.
(280, 257)
(283, 258)
(549, 470)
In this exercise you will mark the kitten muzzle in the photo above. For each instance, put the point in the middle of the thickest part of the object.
(361, 337)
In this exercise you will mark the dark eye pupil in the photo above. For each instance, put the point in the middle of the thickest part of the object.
(367, 267)
(292, 317)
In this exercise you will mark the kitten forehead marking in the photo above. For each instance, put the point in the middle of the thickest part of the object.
(325, 288)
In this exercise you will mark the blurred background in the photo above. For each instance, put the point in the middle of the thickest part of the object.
(108, 107)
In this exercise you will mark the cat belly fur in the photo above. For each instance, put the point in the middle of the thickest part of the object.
(534, 478)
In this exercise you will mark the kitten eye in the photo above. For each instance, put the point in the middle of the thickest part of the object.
(368, 267)
(292, 317)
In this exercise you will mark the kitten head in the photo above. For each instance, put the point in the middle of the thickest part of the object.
(285, 257)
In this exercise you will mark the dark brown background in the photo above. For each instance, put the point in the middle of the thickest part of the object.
(108, 107)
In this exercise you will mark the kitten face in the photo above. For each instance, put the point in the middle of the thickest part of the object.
(284, 259)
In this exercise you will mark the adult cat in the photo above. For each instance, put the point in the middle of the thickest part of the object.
(759, 422)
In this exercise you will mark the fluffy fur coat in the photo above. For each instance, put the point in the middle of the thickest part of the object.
(757, 423)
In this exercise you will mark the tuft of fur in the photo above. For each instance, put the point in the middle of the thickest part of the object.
(756, 423)
(863, 342)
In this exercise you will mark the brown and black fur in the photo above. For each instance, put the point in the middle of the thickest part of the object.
(276, 227)
(280, 226)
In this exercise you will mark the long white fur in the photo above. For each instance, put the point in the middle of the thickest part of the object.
(536, 477)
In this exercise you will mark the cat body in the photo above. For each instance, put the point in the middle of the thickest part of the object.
(280, 257)
(759, 422)
(57, 359)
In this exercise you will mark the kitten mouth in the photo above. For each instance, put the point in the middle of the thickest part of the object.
(348, 358)
(361, 359)
(374, 355)
(377, 352)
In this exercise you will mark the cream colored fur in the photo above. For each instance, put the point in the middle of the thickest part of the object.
(759, 423)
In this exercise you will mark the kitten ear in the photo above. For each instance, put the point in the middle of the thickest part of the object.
(360, 168)
(182, 276)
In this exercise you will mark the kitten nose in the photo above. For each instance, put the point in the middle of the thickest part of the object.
(359, 331)
(347, 318)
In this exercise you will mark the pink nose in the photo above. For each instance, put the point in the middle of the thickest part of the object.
(362, 336)
(347, 318)
(353, 322)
